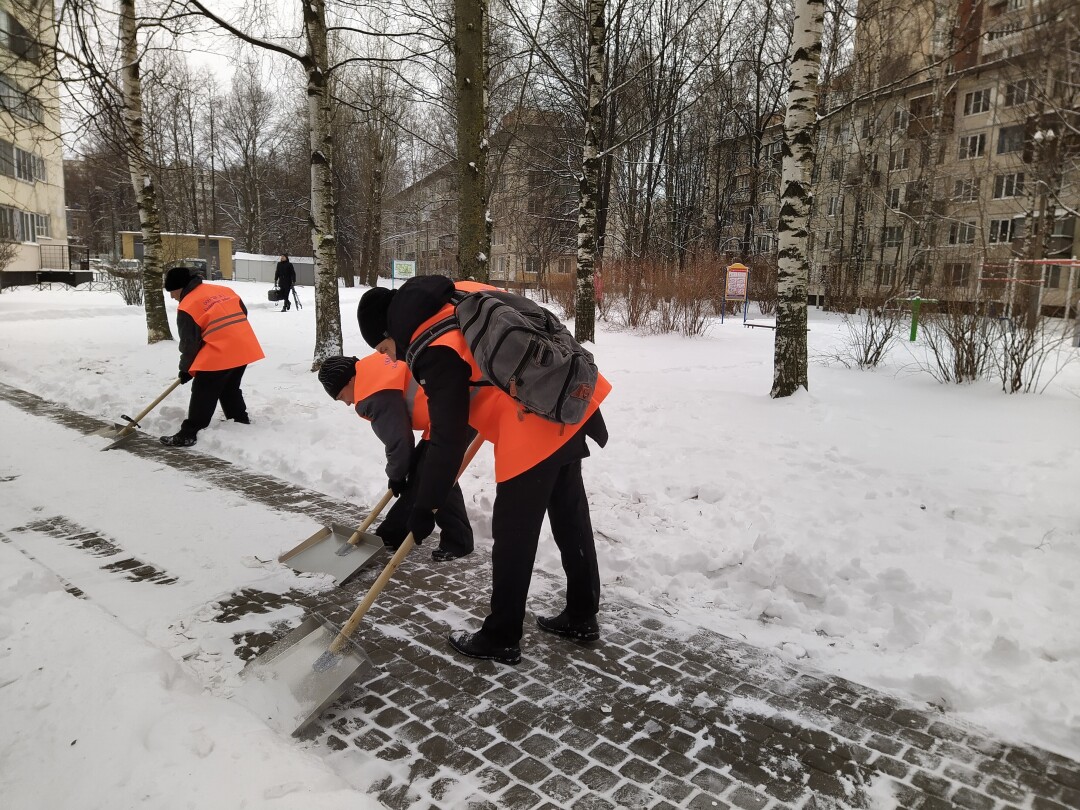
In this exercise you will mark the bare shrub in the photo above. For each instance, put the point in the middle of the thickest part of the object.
(871, 333)
(128, 283)
(562, 289)
(762, 283)
(1023, 348)
(960, 341)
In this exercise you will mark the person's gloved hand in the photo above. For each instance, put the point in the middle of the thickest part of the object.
(185, 378)
(397, 486)
(421, 523)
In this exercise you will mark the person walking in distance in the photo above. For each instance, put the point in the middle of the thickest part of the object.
(381, 391)
(216, 345)
(537, 467)
(285, 279)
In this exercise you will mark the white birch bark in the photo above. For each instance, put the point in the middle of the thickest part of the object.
(328, 341)
(157, 319)
(589, 181)
(800, 131)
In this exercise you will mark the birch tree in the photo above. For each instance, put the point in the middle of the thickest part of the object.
(470, 80)
(800, 134)
(589, 180)
(314, 58)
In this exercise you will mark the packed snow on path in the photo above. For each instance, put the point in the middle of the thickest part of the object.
(919, 538)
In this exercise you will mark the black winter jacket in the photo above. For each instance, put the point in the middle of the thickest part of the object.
(285, 275)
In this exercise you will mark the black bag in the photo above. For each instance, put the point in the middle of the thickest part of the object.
(274, 295)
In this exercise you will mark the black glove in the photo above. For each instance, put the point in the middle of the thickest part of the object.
(185, 378)
(397, 486)
(421, 523)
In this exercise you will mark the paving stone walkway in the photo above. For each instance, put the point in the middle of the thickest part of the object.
(656, 715)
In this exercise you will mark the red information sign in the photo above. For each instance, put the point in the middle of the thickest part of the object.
(736, 281)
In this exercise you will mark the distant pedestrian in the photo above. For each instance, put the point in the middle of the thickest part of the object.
(285, 279)
(216, 345)
(384, 393)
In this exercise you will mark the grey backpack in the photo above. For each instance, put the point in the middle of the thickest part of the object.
(522, 349)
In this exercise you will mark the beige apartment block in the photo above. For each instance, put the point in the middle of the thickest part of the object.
(32, 214)
(955, 171)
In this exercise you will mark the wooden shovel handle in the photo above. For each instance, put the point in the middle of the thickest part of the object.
(131, 427)
(392, 566)
(371, 518)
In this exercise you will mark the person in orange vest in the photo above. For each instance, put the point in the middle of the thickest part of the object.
(537, 468)
(382, 392)
(216, 345)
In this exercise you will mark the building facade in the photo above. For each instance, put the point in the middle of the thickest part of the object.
(533, 209)
(954, 167)
(32, 217)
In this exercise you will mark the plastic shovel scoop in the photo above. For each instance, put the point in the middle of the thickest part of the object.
(335, 550)
(121, 433)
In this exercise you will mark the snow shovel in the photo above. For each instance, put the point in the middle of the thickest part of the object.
(121, 433)
(291, 683)
(334, 550)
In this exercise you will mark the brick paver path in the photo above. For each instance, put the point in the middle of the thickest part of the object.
(656, 715)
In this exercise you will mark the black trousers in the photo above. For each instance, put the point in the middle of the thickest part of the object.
(456, 534)
(208, 388)
(554, 486)
(287, 296)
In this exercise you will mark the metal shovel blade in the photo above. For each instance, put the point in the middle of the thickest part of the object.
(328, 552)
(286, 688)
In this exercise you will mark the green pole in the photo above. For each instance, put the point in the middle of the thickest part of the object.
(916, 304)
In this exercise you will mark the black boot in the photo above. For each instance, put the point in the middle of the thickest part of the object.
(475, 645)
(180, 439)
(444, 555)
(576, 627)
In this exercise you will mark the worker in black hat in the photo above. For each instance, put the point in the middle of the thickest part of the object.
(216, 345)
(383, 392)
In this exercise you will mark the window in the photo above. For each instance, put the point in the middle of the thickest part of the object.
(894, 198)
(1063, 227)
(913, 191)
(763, 243)
(532, 265)
(1018, 92)
(566, 264)
(1008, 185)
(1053, 277)
(834, 206)
(957, 274)
(765, 213)
(17, 39)
(972, 146)
(1003, 230)
(9, 227)
(17, 102)
(742, 182)
(962, 233)
(892, 236)
(33, 226)
(977, 101)
(967, 190)
(28, 167)
(1015, 5)
(828, 240)
(885, 276)
(836, 169)
(898, 159)
(900, 118)
(867, 127)
(1010, 139)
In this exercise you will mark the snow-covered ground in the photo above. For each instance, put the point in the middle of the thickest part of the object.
(919, 538)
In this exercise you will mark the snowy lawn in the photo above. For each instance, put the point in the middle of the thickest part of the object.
(916, 537)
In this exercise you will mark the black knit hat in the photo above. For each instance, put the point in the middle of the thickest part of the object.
(177, 278)
(371, 314)
(335, 373)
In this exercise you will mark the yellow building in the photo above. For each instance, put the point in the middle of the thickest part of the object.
(178, 246)
(32, 214)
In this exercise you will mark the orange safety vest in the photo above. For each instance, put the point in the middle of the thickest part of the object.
(521, 439)
(377, 372)
(228, 339)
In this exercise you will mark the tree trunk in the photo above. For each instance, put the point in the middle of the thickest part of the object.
(157, 319)
(328, 340)
(470, 24)
(800, 132)
(585, 310)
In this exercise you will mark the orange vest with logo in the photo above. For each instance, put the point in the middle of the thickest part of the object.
(377, 372)
(228, 339)
(521, 439)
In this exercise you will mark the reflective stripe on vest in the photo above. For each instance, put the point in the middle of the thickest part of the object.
(521, 439)
(228, 340)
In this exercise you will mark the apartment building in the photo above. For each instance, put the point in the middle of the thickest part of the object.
(960, 177)
(32, 216)
(749, 198)
(533, 208)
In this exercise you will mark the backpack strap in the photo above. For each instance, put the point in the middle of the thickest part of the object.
(435, 331)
